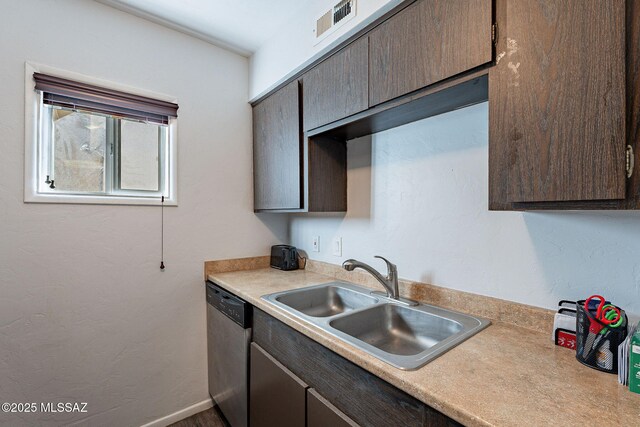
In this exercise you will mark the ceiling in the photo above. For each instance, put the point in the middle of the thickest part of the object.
(240, 25)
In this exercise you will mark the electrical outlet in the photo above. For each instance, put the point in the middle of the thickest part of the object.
(337, 246)
(316, 244)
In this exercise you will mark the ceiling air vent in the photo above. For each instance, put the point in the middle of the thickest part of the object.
(342, 10)
(334, 18)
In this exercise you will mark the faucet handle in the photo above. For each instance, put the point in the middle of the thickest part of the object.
(391, 267)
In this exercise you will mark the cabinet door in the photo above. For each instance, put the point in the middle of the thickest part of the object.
(277, 396)
(427, 42)
(277, 151)
(321, 413)
(337, 87)
(557, 102)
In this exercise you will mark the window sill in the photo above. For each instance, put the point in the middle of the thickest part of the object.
(97, 200)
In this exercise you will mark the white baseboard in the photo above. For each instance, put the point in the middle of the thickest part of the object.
(181, 414)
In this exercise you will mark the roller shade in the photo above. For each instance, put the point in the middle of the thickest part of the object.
(82, 96)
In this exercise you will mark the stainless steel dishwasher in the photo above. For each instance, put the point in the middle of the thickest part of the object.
(228, 340)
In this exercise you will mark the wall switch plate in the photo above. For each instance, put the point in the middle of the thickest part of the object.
(316, 244)
(337, 246)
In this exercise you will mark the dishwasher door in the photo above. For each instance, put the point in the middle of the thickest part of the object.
(228, 363)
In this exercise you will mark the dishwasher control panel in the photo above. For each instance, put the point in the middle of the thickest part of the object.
(230, 305)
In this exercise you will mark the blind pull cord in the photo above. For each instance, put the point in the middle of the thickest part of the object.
(162, 234)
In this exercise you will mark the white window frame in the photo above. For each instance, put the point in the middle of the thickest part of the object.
(32, 173)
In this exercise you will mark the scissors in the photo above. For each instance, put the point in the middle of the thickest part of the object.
(611, 315)
(603, 317)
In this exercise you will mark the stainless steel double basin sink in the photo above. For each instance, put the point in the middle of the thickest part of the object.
(402, 335)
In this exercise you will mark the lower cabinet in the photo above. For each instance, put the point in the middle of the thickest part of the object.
(321, 413)
(278, 398)
(289, 369)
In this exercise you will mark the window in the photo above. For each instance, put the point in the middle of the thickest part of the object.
(90, 153)
(94, 144)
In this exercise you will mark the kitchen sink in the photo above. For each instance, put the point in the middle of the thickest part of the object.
(403, 335)
(396, 329)
(324, 301)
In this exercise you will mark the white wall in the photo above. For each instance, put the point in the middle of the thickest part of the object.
(291, 47)
(85, 313)
(418, 195)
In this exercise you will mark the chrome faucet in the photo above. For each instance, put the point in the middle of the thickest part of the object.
(390, 282)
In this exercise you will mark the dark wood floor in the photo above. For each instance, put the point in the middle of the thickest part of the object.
(209, 418)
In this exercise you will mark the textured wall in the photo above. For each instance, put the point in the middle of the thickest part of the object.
(85, 313)
(417, 194)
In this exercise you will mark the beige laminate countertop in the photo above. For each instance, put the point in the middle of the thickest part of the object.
(503, 376)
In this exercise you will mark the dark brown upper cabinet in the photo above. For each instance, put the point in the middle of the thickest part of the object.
(292, 174)
(632, 31)
(428, 41)
(277, 151)
(562, 78)
(337, 87)
(557, 103)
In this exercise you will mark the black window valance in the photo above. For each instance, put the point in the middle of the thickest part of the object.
(71, 94)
